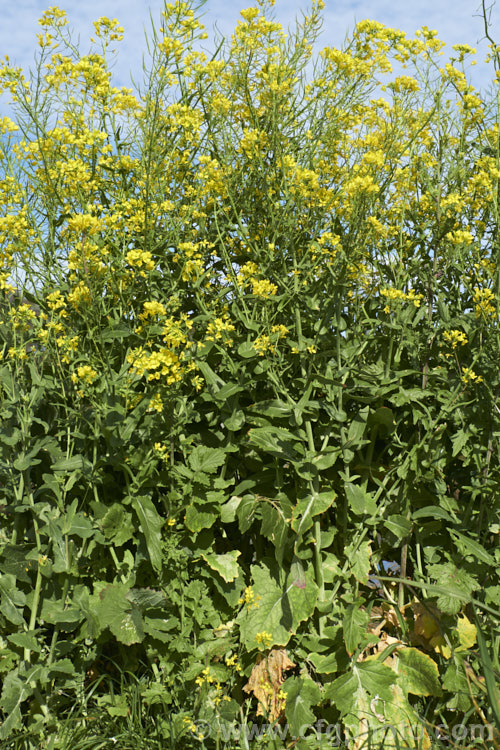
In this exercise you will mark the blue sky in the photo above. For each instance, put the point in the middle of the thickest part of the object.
(457, 21)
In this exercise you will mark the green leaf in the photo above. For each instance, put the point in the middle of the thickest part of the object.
(324, 663)
(384, 417)
(325, 459)
(225, 564)
(75, 463)
(459, 440)
(206, 460)
(360, 501)
(354, 626)
(60, 546)
(308, 507)
(11, 600)
(399, 525)
(25, 640)
(417, 672)
(273, 408)
(469, 546)
(246, 350)
(196, 519)
(117, 524)
(353, 690)
(276, 609)
(458, 586)
(151, 524)
(433, 511)
(360, 557)
(228, 510)
(455, 682)
(301, 695)
(147, 598)
(14, 692)
(115, 611)
(277, 441)
(62, 666)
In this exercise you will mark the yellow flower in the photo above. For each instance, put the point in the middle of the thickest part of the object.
(249, 598)
(264, 639)
(469, 376)
(84, 373)
(455, 337)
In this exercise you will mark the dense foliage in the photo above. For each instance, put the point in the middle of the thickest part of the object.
(250, 337)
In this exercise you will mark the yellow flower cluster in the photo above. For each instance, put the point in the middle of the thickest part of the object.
(232, 661)
(162, 363)
(455, 337)
(396, 295)
(156, 403)
(138, 258)
(249, 598)
(483, 300)
(22, 316)
(263, 288)
(264, 639)
(469, 376)
(218, 328)
(85, 374)
(207, 678)
(162, 452)
(247, 276)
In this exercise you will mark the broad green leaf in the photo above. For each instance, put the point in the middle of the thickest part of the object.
(228, 510)
(246, 350)
(161, 629)
(354, 690)
(458, 586)
(81, 526)
(455, 682)
(276, 609)
(196, 519)
(246, 512)
(417, 672)
(60, 546)
(309, 507)
(273, 408)
(14, 692)
(205, 459)
(115, 611)
(117, 524)
(151, 525)
(118, 330)
(469, 546)
(324, 663)
(360, 501)
(301, 695)
(277, 441)
(354, 626)
(62, 666)
(360, 557)
(147, 598)
(75, 463)
(357, 427)
(25, 640)
(384, 417)
(459, 440)
(325, 459)
(225, 564)
(433, 511)
(11, 600)
(399, 525)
